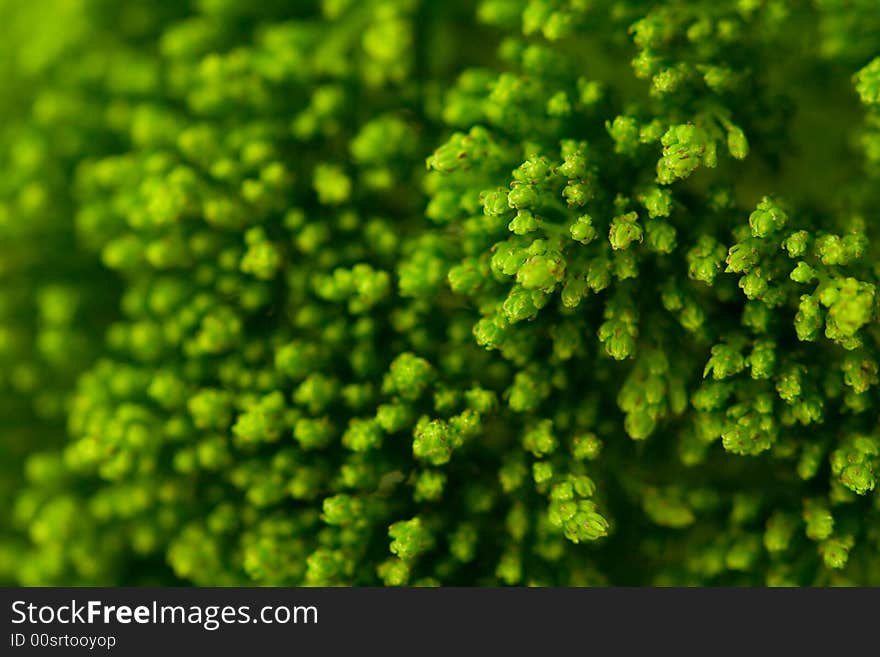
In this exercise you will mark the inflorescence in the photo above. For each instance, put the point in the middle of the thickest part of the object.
(357, 292)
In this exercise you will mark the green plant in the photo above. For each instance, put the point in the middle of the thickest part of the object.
(538, 292)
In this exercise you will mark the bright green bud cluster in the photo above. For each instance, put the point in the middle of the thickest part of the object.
(571, 509)
(625, 230)
(704, 260)
(685, 149)
(767, 219)
(435, 440)
(855, 462)
(409, 539)
(868, 83)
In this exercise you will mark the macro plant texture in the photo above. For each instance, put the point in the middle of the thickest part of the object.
(409, 292)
